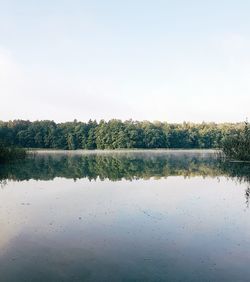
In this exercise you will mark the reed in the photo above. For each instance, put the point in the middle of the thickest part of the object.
(236, 146)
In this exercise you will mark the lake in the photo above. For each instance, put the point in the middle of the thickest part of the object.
(124, 216)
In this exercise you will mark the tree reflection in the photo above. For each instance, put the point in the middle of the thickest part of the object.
(127, 166)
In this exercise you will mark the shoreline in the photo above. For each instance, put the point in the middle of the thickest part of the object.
(108, 151)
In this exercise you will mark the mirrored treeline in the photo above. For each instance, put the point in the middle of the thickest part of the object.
(123, 165)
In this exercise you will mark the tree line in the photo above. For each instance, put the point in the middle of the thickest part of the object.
(114, 134)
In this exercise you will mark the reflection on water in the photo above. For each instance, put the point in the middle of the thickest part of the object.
(129, 166)
(144, 216)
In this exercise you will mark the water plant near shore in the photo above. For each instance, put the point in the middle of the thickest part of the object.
(236, 146)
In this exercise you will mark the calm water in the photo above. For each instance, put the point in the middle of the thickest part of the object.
(155, 216)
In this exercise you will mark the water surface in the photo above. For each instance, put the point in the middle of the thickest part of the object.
(127, 216)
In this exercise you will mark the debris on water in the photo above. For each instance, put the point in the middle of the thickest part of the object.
(153, 216)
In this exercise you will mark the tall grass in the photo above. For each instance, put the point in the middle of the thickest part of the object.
(236, 146)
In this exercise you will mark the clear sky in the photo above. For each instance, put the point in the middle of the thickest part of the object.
(155, 60)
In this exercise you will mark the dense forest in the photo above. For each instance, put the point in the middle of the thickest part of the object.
(114, 134)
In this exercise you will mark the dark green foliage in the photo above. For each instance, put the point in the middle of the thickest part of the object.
(10, 153)
(114, 134)
(236, 146)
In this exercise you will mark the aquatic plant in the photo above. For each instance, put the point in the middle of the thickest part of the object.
(236, 146)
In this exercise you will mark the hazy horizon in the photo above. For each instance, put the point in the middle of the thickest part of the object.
(124, 120)
(168, 61)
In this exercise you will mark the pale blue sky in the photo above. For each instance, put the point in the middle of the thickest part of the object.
(154, 60)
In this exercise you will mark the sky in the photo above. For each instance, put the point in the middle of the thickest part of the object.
(165, 60)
